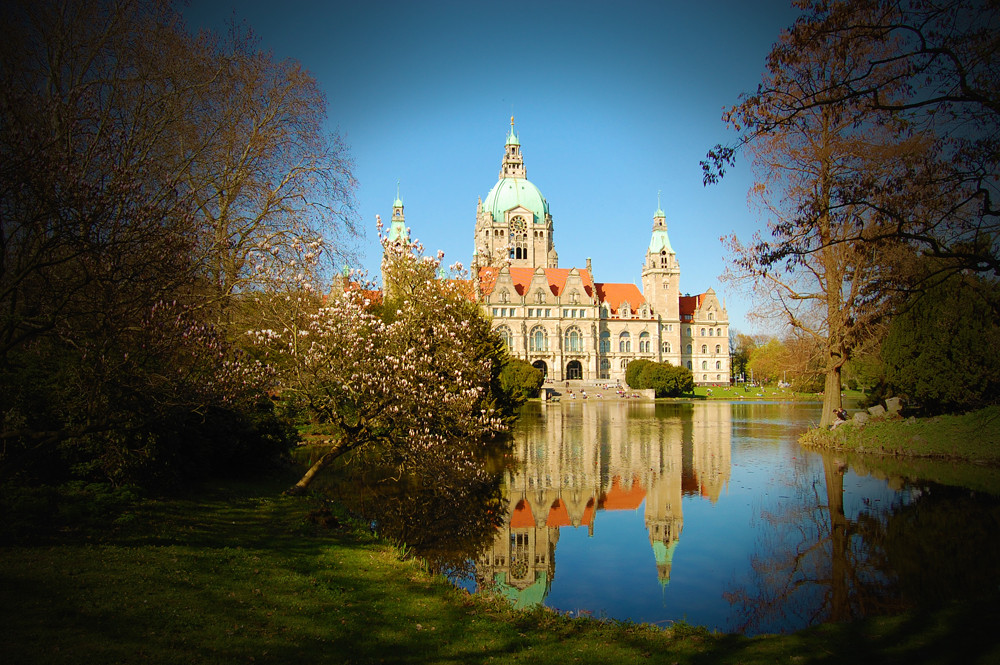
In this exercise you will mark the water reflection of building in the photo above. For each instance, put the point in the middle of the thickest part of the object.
(579, 459)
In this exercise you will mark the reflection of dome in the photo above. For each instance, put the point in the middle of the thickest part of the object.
(532, 595)
(512, 192)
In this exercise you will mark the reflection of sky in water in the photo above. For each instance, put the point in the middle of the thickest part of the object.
(730, 479)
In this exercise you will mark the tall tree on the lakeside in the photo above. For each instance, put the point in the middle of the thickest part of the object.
(120, 133)
(931, 64)
(818, 268)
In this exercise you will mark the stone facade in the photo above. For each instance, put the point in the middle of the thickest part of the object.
(563, 321)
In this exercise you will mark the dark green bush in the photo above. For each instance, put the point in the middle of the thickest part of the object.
(520, 380)
(632, 372)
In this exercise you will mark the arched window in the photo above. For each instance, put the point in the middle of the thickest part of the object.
(718, 348)
(605, 369)
(711, 331)
(664, 263)
(711, 316)
(624, 365)
(718, 332)
(605, 342)
(689, 353)
(704, 364)
(665, 347)
(605, 311)
(538, 340)
(624, 342)
(573, 339)
(689, 364)
(506, 336)
(644, 342)
(689, 331)
(702, 332)
(704, 348)
(624, 310)
(718, 364)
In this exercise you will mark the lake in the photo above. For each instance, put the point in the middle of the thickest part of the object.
(705, 512)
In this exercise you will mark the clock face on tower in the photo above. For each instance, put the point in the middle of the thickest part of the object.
(517, 224)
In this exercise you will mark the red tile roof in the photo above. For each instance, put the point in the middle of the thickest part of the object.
(690, 304)
(618, 498)
(522, 517)
(558, 514)
(616, 294)
(522, 279)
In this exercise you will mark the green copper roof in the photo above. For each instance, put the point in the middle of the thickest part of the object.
(512, 192)
(511, 136)
(659, 212)
(398, 203)
(660, 241)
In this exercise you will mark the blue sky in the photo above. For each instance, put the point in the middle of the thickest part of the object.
(613, 102)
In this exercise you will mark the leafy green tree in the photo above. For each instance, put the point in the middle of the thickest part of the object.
(520, 380)
(666, 379)
(634, 370)
(768, 361)
(941, 353)
(740, 348)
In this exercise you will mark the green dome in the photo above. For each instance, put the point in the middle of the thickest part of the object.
(511, 192)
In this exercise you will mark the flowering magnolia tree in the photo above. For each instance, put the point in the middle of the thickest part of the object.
(409, 375)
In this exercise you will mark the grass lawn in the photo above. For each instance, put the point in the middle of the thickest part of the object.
(241, 574)
(762, 393)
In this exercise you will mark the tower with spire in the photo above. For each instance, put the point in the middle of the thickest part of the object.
(566, 323)
(513, 224)
(661, 272)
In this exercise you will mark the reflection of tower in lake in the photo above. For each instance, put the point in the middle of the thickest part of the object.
(577, 459)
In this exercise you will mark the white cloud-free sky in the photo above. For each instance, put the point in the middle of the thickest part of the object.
(613, 102)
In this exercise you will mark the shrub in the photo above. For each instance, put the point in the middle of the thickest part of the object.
(632, 372)
(520, 380)
(666, 379)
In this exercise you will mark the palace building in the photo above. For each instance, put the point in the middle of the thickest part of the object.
(561, 320)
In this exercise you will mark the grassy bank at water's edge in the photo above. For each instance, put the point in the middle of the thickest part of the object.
(972, 437)
(240, 573)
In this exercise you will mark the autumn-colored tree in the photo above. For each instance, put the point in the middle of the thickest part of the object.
(820, 269)
(931, 66)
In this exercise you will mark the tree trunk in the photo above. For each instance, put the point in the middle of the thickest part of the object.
(831, 396)
(338, 449)
(833, 470)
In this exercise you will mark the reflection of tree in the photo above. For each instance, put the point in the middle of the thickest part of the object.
(446, 509)
(819, 565)
(942, 545)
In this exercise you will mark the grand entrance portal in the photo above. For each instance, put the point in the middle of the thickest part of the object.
(541, 367)
(574, 370)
